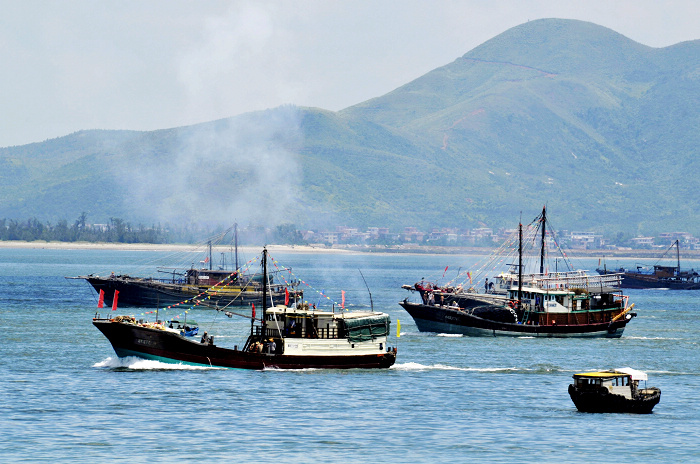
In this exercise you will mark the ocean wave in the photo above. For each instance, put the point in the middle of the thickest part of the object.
(135, 363)
(450, 335)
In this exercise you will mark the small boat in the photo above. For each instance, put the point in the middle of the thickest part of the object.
(613, 391)
(571, 303)
(659, 276)
(283, 337)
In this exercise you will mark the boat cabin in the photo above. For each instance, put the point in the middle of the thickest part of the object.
(305, 322)
(567, 292)
(622, 382)
(208, 276)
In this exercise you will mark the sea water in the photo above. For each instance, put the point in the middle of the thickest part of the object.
(66, 397)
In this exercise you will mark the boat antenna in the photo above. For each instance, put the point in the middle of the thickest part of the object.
(371, 303)
(678, 257)
(209, 243)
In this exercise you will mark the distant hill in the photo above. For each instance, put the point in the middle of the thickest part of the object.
(566, 113)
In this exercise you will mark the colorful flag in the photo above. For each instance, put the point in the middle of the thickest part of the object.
(398, 328)
(443, 272)
(469, 274)
(286, 296)
(101, 301)
(114, 300)
(253, 310)
(342, 304)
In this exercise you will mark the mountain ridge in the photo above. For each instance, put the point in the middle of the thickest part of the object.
(558, 112)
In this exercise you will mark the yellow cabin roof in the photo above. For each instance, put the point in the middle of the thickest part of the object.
(620, 372)
(601, 374)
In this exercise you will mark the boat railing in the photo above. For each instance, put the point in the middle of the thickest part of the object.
(575, 279)
(319, 333)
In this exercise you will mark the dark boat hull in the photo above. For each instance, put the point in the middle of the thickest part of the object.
(633, 280)
(600, 401)
(445, 320)
(144, 292)
(147, 343)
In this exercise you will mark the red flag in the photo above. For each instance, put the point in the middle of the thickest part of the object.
(114, 300)
(101, 301)
(286, 296)
(253, 310)
(443, 272)
(342, 304)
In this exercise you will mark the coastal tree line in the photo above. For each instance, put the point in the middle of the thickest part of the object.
(118, 230)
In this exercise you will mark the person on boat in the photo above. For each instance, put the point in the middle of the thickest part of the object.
(486, 285)
(271, 346)
(256, 347)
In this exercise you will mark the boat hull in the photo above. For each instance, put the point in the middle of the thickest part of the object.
(445, 320)
(642, 281)
(601, 401)
(144, 292)
(148, 343)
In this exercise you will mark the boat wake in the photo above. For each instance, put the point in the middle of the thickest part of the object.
(413, 366)
(134, 363)
(536, 369)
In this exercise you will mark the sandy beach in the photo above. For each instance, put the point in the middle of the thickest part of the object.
(356, 249)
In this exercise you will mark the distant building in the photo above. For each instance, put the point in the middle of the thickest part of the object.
(585, 241)
(643, 242)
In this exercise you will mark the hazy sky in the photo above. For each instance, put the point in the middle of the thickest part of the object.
(143, 65)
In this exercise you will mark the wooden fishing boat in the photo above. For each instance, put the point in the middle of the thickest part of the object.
(613, 391)
(541, 304)
(219, 287)
(284, 337)
(659, 276)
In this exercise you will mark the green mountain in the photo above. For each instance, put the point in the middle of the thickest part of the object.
(559, 112)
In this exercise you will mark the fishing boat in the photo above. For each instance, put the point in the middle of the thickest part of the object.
(218, 287)
(571, 303)
(614, 390)
(659, 276)
(283, 337)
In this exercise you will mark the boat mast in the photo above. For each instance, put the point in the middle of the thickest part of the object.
(235, 244)
(544, 229)
(264, 293)
(520, 264)
(209, 243)
(678, 258)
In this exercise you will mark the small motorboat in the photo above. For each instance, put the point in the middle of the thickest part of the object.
(614, 390)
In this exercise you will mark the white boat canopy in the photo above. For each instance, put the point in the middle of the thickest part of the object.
(635, 374)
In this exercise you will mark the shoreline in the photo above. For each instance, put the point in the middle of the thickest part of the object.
(351, 249)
